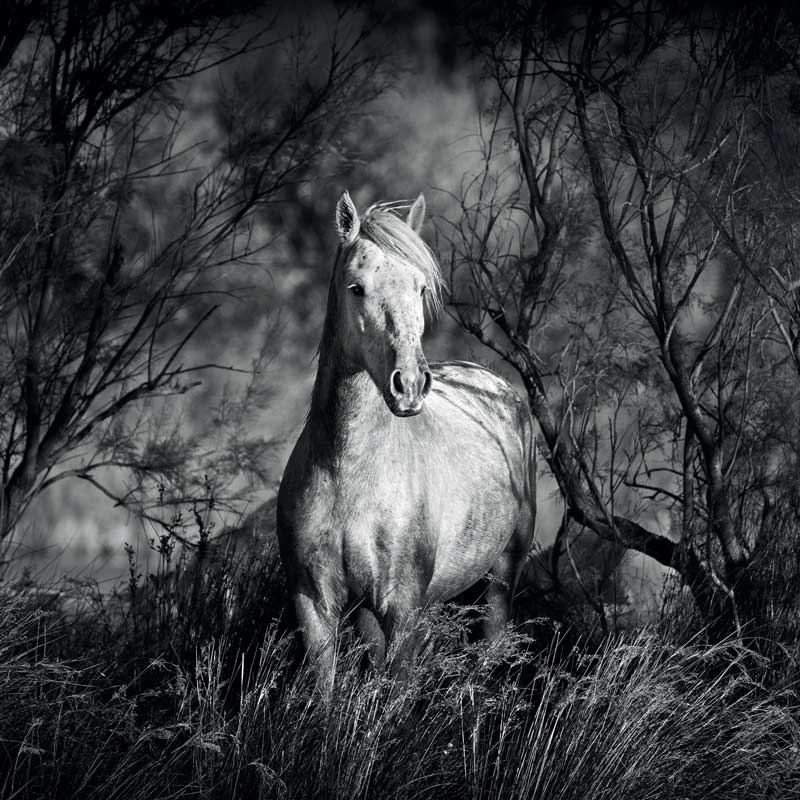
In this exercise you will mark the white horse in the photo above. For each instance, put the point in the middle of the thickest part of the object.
(409, 481)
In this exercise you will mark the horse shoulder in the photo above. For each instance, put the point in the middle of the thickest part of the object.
(305, 500)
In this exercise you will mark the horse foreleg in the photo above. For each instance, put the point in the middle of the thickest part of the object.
(371, 634)
(319, 628)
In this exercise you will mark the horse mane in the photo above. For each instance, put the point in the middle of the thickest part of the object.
(383, 226)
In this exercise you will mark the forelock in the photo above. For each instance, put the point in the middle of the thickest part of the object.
(383, 227)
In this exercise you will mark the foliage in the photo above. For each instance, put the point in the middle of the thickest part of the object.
(189, 681)
(625, 247)
(135, 164)
(95, 706)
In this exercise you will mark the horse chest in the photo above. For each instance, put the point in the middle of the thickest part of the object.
(387, 547)
(408, 535)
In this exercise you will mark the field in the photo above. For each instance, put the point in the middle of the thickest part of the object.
(190, 683)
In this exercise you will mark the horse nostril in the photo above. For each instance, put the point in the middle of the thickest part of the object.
(428, 381)
(397, 382)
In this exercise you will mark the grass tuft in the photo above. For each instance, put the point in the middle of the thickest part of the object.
(157, 692)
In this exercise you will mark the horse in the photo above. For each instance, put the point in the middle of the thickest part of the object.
(410, 482)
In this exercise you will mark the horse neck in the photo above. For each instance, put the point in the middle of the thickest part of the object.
(345, 404)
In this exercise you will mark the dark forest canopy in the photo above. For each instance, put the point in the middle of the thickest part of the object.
(631, 254)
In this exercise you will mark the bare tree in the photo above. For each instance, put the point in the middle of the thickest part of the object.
(609, 252)
(120, 223)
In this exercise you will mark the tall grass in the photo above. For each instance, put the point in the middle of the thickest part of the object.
(153, 694)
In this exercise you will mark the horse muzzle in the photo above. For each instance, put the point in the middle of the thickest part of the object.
(408, 389)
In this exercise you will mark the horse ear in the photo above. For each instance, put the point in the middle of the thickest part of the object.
(347, 222)
(416, 215)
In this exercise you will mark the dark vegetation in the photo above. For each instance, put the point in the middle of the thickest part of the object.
(622, 238)
(188, 683)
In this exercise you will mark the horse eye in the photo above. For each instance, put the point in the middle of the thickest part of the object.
(357, 289)
(422, 291)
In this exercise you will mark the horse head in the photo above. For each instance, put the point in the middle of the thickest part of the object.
(385, 277)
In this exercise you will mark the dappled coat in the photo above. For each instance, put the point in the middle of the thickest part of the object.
(409, 481)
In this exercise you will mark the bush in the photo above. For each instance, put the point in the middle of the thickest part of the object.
(638, 718)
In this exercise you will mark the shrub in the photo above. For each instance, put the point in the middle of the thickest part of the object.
(638, 718)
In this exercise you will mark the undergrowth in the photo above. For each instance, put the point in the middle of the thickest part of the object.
(190, 683)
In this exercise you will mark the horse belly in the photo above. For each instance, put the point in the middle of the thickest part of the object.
(415, 547)
(468, 547)
(476, 506)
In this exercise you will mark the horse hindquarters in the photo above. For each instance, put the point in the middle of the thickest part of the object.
(507, 569)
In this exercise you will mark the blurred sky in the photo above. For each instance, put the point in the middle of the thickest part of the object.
(418, 136)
